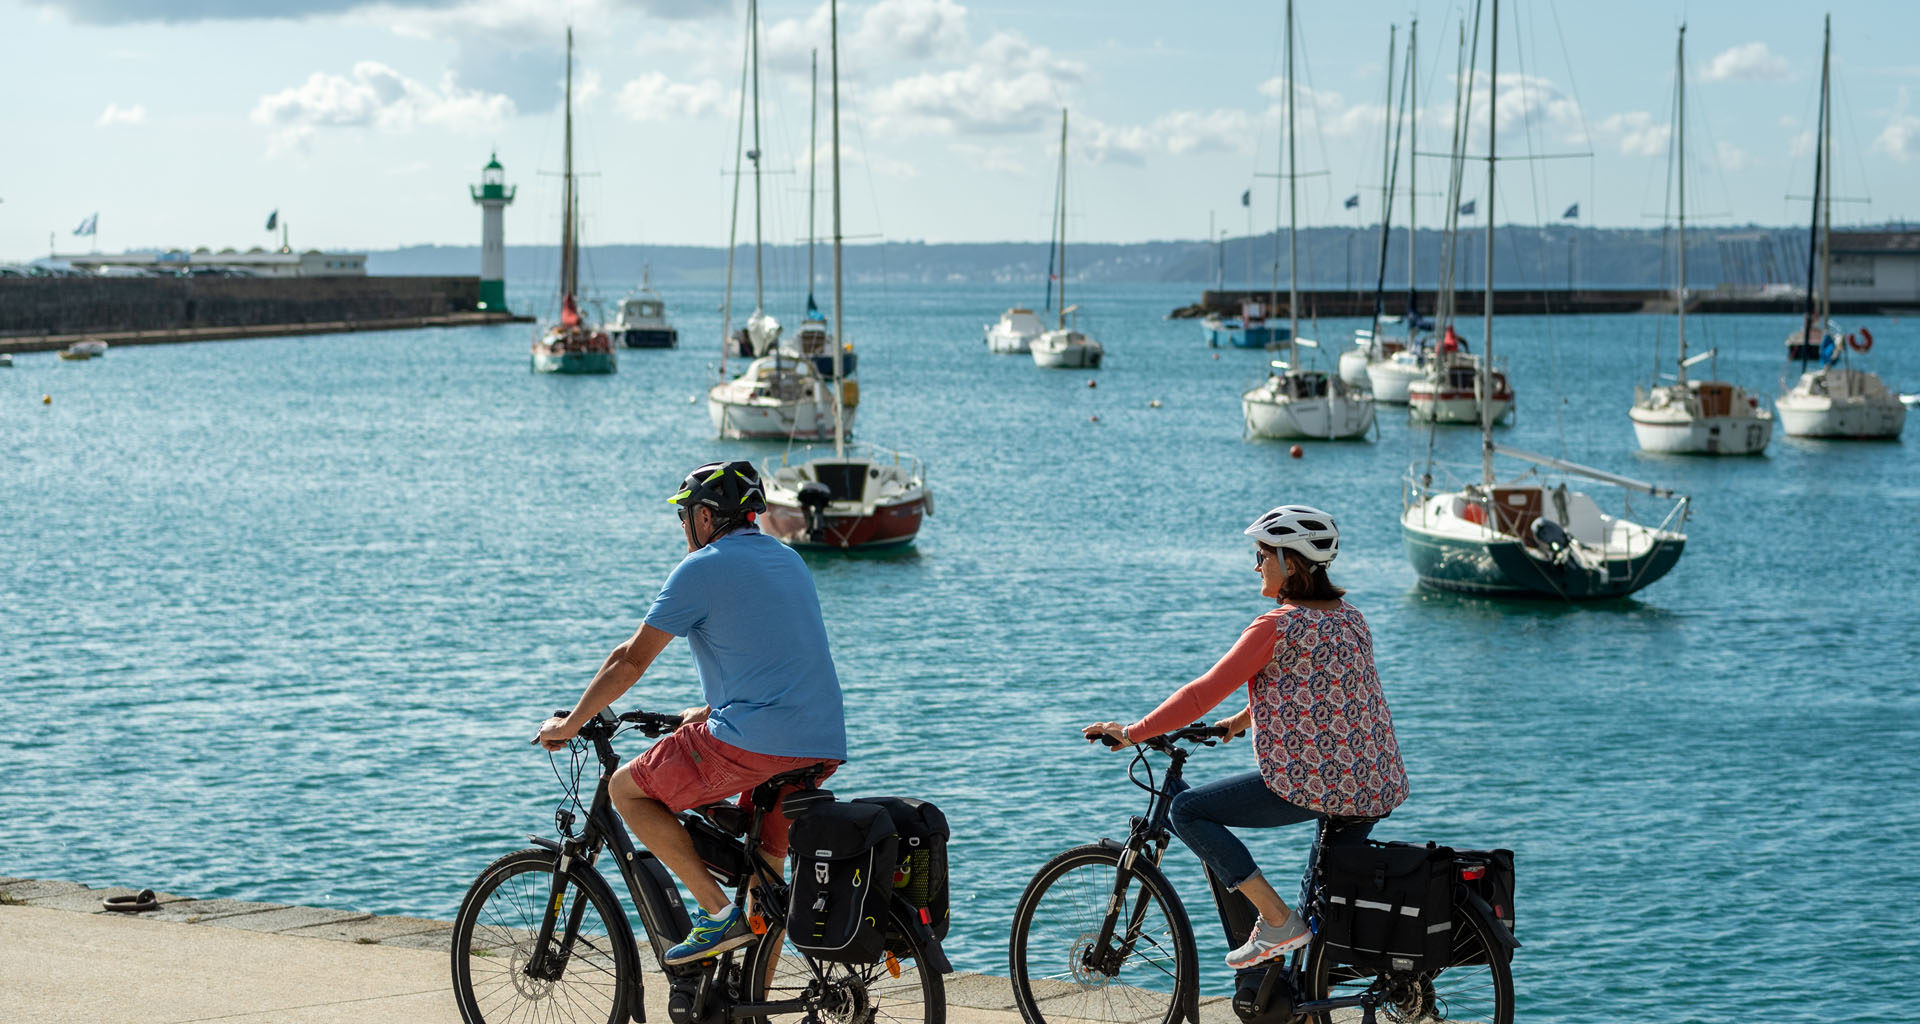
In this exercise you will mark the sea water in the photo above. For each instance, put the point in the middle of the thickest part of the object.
(278, 619)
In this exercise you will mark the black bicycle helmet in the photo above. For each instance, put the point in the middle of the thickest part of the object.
(730, 489)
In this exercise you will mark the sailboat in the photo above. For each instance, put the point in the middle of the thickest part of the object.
(1390, 365)
(1695, 416)
(1831, 398)
(642, 320)
(1295, 402)
(1372, 345)
(1534, 535)
(779, 395)
(573, 345)
(1065, 347)
(854, 498)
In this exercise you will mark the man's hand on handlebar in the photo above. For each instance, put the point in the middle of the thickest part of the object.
(555, 732)
(1110, 733)
(694, 715)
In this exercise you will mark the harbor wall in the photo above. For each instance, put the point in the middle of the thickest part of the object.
(1518, 301)
(64, 306)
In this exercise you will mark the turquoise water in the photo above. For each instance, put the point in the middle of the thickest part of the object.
(278, 618)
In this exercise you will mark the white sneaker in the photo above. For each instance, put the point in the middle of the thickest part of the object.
(1270, 941)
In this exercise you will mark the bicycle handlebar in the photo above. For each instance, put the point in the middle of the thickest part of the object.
(1204, 735)
(651, 724)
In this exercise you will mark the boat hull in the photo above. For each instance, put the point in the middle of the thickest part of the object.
(1353, 367)
(889, 525)
(1708, 435)
(1391, 381)
(1054, 354)
(764, 421)
(649, 337)
(574, 362)
(1503, 567)
(1880, 418)
(1008, 343)
(1325, 418)
(1453, 406)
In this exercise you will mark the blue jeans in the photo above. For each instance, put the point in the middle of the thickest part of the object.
(1200, 817)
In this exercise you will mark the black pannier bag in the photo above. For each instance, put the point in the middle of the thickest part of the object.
(920, 877)
(1487, 875)
(842, 879)
(1387, 906)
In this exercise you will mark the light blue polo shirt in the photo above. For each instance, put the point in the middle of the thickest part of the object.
(747, 607)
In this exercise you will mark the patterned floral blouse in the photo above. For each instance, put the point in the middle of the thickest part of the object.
(1321, 729)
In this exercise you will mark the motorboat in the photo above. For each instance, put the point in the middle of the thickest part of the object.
(777, 397)
(641, 321)
(1249, 329)
(1015, 331)
(1452, 389)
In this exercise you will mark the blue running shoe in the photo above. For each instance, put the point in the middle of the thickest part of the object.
(712, 936)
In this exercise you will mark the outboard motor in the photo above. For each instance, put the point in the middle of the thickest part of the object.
(1553, 537)
(814, 499)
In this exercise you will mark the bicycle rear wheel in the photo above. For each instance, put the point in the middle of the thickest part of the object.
(494, 935)
(1057, 970)
(898, 989)
(1478, 988)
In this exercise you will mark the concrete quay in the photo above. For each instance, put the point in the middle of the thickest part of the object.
(182, 335)
(69, 961)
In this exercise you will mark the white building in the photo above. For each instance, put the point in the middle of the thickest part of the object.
(1877, 266)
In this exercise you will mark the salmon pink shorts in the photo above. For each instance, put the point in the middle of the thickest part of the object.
(690, 768)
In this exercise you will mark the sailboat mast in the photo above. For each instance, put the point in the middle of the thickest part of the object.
(1413, 163)
(733, 222)
(1293, 245)
(1808, 334)
(753, 27)
(1386, 194)
(813, 162)
(839, 414)
(1826, 179)
(1063, 218)
(568, 277)
(1680, 295)
(1486, 347)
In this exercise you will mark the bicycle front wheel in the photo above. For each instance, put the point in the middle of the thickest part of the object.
(1479, 987)
(898, 989)
(1062, 969)
(493, 945)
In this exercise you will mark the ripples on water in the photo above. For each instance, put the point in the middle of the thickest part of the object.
(277, 619)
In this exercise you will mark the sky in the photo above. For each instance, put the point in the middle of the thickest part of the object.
(184, 123)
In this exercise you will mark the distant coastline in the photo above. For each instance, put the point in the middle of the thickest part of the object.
(1345, 258)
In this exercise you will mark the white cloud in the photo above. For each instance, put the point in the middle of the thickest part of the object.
(1009, 85)
(1005, 159)
(117, 114)
(1732, 157)
(912, 28)
(1636, 133)
(1900, 139)
(374, 96)
(652, 97)
(1320, 112)
(1801, 144)
(1748, 62)
(1177, 133)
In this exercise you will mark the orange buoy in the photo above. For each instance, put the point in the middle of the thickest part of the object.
(1296, 451)
(46, 399)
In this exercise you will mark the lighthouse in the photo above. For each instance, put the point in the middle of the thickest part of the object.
(493, 194)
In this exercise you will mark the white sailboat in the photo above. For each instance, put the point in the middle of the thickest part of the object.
(1387, 362)
(866, 497)
(1708, 417)
(573, 345)
(1065, 347)
(780, 395)
(1532, 535)
(1294, 402)
(1832, 399)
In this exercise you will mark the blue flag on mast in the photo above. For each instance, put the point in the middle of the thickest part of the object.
(273, 220)
(1246, 198)
(88, 226)
(1573, 212)
(1353, 201)
(1466, 208)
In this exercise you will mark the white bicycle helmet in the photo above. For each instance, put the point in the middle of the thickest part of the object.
(1300, 528)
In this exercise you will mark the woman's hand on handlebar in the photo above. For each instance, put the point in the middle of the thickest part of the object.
(1235, 724)
(693, 715)
(555, 732)
(1110, 733)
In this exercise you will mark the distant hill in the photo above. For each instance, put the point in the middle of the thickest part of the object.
(1329, 257)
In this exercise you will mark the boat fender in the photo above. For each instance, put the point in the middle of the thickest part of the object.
(1863, 343)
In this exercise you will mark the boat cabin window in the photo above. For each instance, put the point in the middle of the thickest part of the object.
(846, 480)
(1461, 377)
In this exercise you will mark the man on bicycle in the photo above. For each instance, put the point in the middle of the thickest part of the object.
(746, 604)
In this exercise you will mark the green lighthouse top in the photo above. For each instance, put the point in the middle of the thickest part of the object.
(493, 185)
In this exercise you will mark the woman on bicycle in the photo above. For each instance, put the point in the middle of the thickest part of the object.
(1322, 734)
